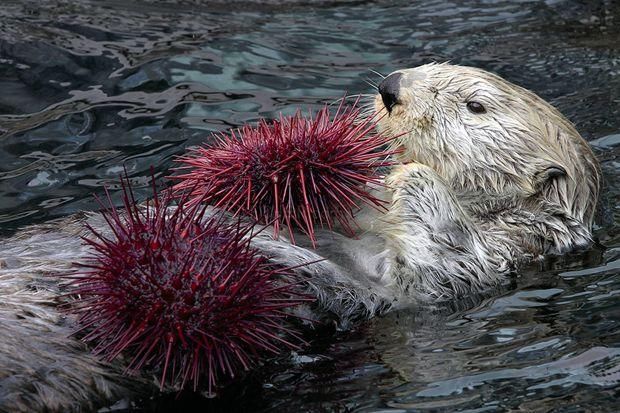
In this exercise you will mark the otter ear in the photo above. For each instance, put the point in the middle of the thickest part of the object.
(547, 173)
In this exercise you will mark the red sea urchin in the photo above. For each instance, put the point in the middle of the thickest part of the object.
(180, 292)
(295, 171)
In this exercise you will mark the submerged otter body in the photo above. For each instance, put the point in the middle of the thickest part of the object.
(492, 177)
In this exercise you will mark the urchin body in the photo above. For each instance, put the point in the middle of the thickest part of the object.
(479, 192)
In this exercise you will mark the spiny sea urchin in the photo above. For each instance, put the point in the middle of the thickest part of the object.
(180, 292)
(295, 171)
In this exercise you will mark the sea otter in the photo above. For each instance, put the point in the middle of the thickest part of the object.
(491, 176)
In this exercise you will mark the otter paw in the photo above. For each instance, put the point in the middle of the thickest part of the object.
(419, 194)
(406, 173)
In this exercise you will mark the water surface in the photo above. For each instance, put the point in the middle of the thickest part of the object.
(91, 87)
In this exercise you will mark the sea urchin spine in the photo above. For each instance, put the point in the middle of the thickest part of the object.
(180, 292)
(295, 171)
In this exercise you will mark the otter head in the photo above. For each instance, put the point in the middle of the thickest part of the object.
(483, 134)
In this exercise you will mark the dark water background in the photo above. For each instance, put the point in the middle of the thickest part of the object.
(87, 87)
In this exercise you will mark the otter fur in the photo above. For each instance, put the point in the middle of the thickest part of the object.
(491, 176)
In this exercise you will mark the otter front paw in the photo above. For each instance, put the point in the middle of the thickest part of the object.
(404, 173)
(420, 195)
(420, 188)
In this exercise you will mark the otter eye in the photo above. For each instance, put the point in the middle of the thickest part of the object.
(475, 107)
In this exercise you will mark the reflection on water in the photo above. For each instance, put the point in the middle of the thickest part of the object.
(91, 87)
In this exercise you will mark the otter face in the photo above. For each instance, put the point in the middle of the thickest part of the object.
(483, 133)
(459, 119)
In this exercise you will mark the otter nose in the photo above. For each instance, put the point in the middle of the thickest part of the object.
(389, 88)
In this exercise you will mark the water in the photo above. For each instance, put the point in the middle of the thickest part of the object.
(90, 87)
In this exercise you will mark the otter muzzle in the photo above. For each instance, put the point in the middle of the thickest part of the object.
(389, 89)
